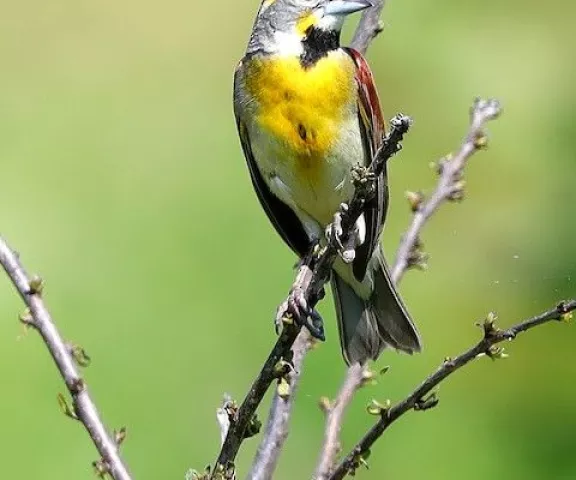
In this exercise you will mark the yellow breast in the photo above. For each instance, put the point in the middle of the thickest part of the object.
(302, 108)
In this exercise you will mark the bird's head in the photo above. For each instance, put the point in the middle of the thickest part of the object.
(290, 27)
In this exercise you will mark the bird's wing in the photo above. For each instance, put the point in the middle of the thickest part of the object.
(373, 130)
(281, 215)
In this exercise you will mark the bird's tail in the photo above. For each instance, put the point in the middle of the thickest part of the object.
(369, 326)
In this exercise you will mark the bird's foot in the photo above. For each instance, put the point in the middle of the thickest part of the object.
(296, 307)
(334, 233)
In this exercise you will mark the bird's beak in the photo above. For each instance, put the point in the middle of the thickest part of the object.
(345, 7)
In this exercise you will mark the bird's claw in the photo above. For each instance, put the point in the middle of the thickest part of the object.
(297, 308)
(315, 325)
(334, 233)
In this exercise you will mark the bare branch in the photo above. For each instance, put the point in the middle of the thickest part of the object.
(308, 289)
(450, 186)
(369, 28)
(418, 399)
(277, 426)
(83, 408)
(355, 378)
(239, 424)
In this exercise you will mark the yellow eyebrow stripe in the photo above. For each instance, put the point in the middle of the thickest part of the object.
(306, 20)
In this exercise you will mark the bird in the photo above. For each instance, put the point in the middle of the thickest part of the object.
(307, 111)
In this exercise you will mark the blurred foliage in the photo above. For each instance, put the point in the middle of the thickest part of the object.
(123, 184)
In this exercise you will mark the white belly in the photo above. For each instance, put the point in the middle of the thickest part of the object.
(315, 197)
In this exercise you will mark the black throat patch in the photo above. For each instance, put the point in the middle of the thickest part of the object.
(317, 44)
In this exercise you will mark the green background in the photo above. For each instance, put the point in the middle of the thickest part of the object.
(122, 182)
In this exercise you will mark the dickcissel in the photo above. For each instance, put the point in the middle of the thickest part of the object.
(307, 112)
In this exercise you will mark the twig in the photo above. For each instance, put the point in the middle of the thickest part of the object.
(450, 186)
(277, 425)
(239, 424)
(308, 289)
(417, 400)
(355, 378)
(83, 408)
(369, 28)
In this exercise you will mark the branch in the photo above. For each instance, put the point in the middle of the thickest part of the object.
(418, 399)
(307, 291)
(277, 426)
(83, 408)
(369, 27)
(241, 419)
(450, 186)
(356, 376)
(409, 254)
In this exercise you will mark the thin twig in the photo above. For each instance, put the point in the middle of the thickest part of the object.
(418, 400)
(83, 408)
(369, 28)
(355, 378)
(450, 186)
(277, 425)
(238, 425)
(309, 289)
